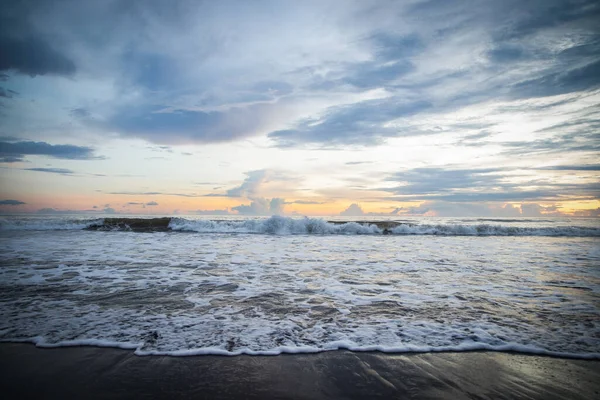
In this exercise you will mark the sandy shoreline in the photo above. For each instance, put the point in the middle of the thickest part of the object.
(92, 372)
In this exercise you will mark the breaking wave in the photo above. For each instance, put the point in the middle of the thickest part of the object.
(277, 225)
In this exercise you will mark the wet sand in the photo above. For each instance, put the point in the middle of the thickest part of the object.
(102, 373)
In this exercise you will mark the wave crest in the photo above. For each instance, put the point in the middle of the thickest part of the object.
(278, 225)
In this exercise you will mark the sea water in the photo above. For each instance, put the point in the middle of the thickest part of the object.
(232, 285)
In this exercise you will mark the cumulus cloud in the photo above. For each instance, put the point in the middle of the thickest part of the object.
(261, 206)
(531, 210)
(353, 210)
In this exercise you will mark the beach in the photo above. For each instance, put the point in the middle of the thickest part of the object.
(284, 308)
(98, 373)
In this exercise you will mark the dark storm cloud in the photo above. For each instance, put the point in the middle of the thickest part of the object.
(16, 151)
(23, 49)
(11, 203)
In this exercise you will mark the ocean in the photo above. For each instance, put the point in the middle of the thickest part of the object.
(232, 285)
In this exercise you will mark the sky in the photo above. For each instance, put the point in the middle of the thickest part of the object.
(353, 108)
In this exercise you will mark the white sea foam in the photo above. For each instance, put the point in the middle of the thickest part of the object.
(197, 293)
(340, 345)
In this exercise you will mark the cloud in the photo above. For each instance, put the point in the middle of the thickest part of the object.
(80, 113)
(353, 210)
(11, 203)
(254, 179)
(450, 209)
(152, 203)
(363, 123)
(582, 167)
(62, 171)
(305, 202)
(584, 78)
(483, 185)
(358, 162)
(431, 180)
(16, 151)
(588, 213)
(314, 87)
(25, 50)
(166, 125)
(262, 206)
(32, 56)
(7, 93)
(531, 210)
(256, 182)
(156, 194)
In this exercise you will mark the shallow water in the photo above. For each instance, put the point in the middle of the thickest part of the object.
(231, 293)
